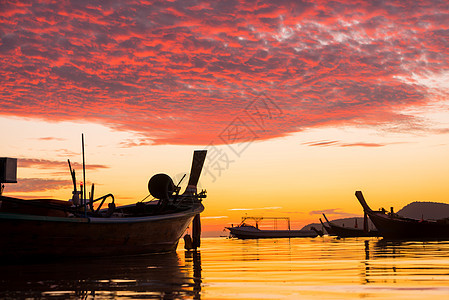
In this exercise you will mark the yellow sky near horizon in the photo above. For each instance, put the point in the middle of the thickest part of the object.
(299, 176)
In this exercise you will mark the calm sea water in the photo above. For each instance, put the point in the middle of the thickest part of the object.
(319, 268)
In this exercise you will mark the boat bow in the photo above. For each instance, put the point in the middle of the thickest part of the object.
(362, 201)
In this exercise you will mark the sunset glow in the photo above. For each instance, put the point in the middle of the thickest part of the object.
(298, 103)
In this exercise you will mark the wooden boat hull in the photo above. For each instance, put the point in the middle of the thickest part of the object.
(254, 233)
(24, 235)
(404, 228)
(346, 232)
(392, 226)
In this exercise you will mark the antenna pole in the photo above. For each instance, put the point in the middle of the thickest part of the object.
(84, 175)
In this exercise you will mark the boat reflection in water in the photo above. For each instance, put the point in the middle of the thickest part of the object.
(303, 268)
(406, 262)
(155, 276)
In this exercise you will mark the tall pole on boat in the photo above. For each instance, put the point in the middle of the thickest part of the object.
(84, 175)
(365, 222)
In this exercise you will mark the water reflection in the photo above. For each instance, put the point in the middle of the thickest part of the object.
(406, 262)
(161, 276)
(193, 260)
(312, 269)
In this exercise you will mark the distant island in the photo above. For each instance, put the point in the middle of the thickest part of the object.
(426, 210)
(414, 210)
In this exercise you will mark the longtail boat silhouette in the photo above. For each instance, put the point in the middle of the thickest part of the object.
(346, 232)
(393, 226)
(74, 228)
(247, 231)
(327, 228)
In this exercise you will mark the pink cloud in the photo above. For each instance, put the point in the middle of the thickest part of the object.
(322, 143)
(37, 185)
(51, 164)
(48, 138)
(332, 213)
(363, 145)
(341, 144)
(180, 74)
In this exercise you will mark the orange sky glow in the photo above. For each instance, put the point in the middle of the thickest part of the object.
(299, 103)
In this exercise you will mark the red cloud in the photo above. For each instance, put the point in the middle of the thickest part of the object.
(180, 74)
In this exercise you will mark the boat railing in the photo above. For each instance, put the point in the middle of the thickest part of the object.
(76, 210)
(258, 219)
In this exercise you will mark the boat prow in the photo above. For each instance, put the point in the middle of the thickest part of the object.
(362, 201)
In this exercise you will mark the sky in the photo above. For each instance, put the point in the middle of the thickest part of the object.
(299, 103)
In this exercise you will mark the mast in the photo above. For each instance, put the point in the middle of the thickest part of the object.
(84, 175)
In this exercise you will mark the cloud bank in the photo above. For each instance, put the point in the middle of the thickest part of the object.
(180, 72)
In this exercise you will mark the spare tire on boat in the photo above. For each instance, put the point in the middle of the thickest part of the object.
(161, 186)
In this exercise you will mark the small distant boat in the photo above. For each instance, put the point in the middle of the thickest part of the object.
(346, 232)
(246, 231)
(58, 228)
(327, 228)
(393, 226)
